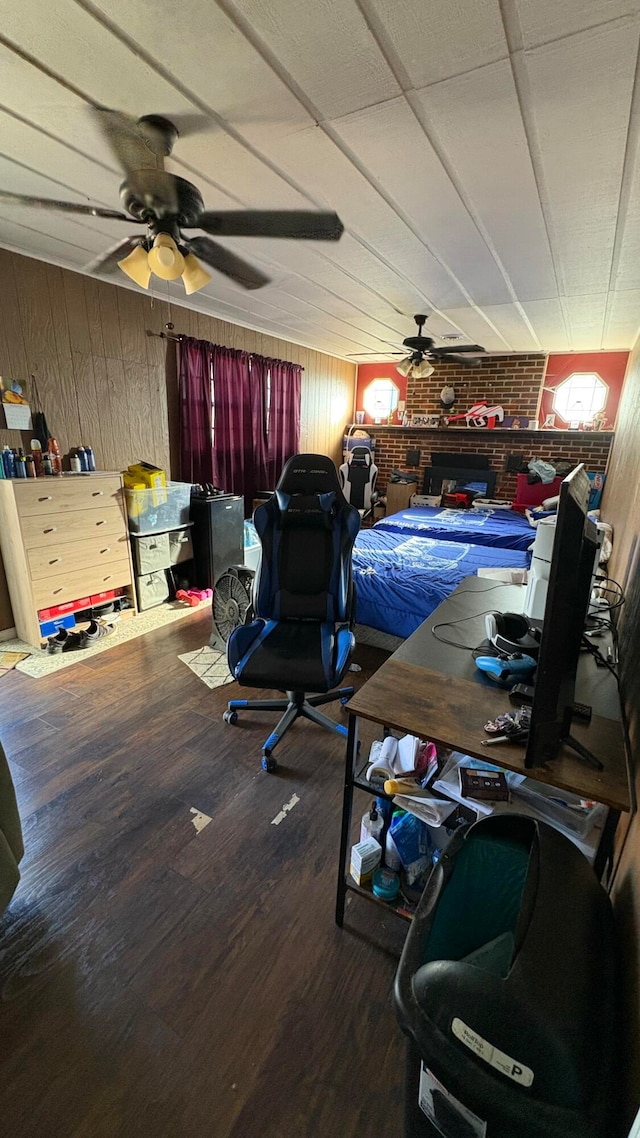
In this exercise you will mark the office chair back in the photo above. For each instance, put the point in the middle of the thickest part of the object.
(307, 530)
(358, 476)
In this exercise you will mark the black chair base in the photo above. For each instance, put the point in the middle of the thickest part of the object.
(295, 705)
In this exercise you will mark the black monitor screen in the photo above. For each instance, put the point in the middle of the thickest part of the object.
(568, 595)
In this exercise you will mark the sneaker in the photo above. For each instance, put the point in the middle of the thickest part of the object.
(94, 633)
(56, 643)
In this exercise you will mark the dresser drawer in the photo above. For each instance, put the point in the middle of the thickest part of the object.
(70, 556)
(81, 583)
(48, 531)
(57, 495)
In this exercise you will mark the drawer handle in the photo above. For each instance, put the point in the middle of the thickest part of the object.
(51, 529)
(56, 591)
(55, 560)
(97, 493)
(108, 577)
(103, 522)
(46, 498)
(106, 550)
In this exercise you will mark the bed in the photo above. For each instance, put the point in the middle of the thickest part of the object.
(400, 578)
(502, 529)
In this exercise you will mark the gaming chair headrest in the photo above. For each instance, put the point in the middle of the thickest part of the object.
(360, 456)
(309, 474)
(306, 511)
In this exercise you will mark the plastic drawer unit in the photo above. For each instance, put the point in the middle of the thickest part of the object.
(506, 990)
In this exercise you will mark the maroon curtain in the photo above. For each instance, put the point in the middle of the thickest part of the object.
(284, 415)
(196, 457)
(239, 406)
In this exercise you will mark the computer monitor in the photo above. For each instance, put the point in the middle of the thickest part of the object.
(568, 595)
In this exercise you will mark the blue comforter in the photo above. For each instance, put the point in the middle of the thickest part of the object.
(504, 529)
(400, 579)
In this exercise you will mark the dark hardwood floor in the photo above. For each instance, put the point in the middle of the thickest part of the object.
(161, 982)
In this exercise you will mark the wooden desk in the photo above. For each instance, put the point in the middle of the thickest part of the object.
(434, 690)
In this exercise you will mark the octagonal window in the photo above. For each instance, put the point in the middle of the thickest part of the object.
(381, 398)
(580, 396)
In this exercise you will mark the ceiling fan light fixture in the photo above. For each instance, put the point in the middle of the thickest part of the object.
(165, 259)
(404, 367)
(194, 277)
(136, 266)
(422, 370)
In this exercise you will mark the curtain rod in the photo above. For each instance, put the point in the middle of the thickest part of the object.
(178, 337)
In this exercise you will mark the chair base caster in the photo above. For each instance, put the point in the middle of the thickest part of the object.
(230, 717)
(268, 764)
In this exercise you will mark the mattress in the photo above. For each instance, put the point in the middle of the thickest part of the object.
(400, 579)
(504, 529)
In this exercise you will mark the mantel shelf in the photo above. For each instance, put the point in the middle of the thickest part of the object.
(486, 431)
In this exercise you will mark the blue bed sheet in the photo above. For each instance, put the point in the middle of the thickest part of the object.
(504, 529)
(401, 579)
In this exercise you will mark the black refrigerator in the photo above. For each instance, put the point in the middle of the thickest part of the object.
(218, 536)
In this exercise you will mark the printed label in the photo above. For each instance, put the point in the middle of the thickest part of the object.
(450, 1117)
(492, 1055)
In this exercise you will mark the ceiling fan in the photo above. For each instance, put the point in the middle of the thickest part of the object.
(423, 354)
(166, 204)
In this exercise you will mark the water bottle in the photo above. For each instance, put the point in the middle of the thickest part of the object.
(91, 458)
(82, 455)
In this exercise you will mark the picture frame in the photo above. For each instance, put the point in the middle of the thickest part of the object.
(422, 420)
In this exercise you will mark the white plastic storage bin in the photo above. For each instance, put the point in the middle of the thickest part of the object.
(252, 547)
(163, 508)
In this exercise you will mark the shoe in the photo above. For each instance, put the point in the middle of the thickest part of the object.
(57, 643)
(94, 633)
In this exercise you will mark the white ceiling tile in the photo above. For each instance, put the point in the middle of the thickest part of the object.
(622, 320)
(477, 330)
(418, 183)
(510, 323)
(327, 48)
(477, 121)
(586, 316)
(581, 109)
(24, 239)
(544, 20)
(547, 318)
(442, 38)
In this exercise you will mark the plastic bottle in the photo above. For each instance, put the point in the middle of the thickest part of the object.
(36, 451)
(46, 463)
(82, 455)
(91, 458)
(54, 454)
(2, 472)
(9, 462)
(391, 856)
(30, 466)
(372, 825)
(20, 467)
(74, 462)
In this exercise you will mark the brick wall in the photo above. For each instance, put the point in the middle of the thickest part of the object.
(592, 448)
(512, 381)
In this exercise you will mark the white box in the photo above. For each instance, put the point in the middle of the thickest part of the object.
(365, 857)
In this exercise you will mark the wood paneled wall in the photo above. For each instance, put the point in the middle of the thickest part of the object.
(103, 380)
(621, 507)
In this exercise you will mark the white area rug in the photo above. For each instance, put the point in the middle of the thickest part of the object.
(40, 663)
(209, 665)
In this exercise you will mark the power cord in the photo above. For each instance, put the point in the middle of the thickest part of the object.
(461, 620)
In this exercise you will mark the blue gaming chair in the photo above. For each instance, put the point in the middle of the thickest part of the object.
(304, 601)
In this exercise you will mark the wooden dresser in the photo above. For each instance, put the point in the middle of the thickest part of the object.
(62, 539)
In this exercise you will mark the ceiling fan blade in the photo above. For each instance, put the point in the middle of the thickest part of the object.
(108, 261)
(459, 348)
(453, 358)
(226, 262)
(66, 207)
(132, 149)
(308, 225)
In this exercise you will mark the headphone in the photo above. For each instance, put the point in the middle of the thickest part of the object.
(510, 632)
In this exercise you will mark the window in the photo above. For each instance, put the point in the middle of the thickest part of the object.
(381, 398)
(580, 396)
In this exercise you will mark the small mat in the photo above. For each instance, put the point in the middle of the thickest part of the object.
(9, 660)
(39, 663)
(209, 665)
